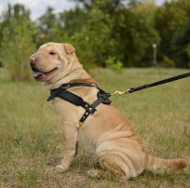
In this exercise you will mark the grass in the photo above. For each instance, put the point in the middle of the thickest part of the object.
(31, 142)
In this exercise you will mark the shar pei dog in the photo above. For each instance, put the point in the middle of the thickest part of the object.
(104, 133)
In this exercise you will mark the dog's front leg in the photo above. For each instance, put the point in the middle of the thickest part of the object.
(70, 142)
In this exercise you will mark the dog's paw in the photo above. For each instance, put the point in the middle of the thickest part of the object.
(61, 168)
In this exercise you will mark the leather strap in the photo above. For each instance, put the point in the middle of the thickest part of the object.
(62, 93)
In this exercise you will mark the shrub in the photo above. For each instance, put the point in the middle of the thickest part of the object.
(111, 63)
(167, 63)
(17, 46)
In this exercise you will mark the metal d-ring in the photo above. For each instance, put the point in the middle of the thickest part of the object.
(66, 86)
(96, 113)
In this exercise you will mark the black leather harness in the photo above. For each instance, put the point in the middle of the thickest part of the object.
(63, 93)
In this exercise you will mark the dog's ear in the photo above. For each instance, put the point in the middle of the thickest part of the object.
(69, 48)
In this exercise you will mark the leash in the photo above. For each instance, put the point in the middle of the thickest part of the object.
(131, 90)
(102, 96)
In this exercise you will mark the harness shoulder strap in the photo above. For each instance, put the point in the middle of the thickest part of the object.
(78, 101)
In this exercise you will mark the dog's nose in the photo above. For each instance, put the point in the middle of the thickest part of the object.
(32, 60)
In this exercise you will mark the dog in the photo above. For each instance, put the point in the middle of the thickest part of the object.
(105, 134)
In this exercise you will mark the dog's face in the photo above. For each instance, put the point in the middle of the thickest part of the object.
(50, 61)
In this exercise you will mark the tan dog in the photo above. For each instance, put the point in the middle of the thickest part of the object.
(106, 135)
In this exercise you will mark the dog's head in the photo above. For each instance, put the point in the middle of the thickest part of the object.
(55, 64)
(50, 60)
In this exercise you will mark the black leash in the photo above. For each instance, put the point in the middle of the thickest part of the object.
(131, 90)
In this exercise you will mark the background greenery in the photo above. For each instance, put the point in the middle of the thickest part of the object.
(109, 34)
(105, 33)
(31, 140)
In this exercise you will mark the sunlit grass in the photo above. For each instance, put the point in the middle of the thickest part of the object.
(30, 135)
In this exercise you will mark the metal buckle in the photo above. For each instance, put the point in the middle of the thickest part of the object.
(66, 86)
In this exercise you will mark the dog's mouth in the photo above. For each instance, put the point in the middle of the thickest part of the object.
(38, 75)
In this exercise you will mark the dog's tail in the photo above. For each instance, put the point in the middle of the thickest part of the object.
(158, 165)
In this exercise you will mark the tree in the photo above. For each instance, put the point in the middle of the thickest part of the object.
(17, 45)
(134, 29)
(110, 31)
(45, 25)
(72, 21)
(169, 20)
(11, 11)
(92, 38)
(181, 46)
(68, 24)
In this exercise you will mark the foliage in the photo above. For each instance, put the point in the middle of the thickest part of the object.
(17, 46)
(167, 63)
(11, 11)
(92, 38)
(181, 44)
(113, 64)
(169, 21)
(45, 25)
(103, 31)
(109, 31)
(96, 35)
(134, 29)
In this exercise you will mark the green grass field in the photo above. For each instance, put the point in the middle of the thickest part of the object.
(31, 142)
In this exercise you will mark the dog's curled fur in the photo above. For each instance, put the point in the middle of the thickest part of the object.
(107, 136)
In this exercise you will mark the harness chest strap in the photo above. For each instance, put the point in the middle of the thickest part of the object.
(78, 101)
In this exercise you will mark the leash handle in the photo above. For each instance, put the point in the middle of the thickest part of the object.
(167, 80)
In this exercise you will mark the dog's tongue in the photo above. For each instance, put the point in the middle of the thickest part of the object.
(36, 73)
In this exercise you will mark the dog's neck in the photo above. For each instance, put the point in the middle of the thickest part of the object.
(77, 75)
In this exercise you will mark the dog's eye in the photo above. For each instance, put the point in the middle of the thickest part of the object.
(52, 53)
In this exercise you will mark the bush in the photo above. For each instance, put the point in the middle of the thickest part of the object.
(111, 63)
(167, 63)
(17, 46)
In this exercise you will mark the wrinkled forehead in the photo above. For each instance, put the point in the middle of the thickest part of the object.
(46, 46)
(53, 47)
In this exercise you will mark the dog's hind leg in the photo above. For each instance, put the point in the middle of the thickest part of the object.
(107, 174)
(111, 167)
